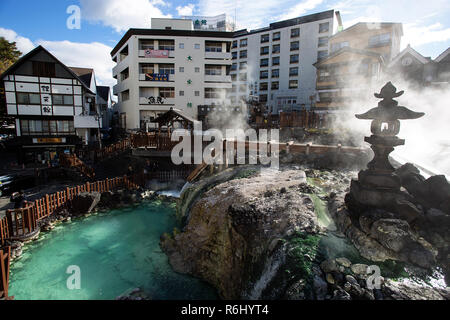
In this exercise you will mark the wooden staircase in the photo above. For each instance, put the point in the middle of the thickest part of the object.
(194, 174)
(72, 161)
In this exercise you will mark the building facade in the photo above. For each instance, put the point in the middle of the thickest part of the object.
(275, 64)
(355, 65)
(54, 108)
(169, 66)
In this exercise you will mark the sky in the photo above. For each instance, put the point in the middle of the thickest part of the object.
(426, 24)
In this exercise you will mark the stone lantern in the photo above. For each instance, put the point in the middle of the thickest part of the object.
(378, 186)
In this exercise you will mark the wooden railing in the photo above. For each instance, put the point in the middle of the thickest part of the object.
(5, 255)
(21, 222)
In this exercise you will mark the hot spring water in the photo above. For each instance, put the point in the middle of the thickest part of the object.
(116, 251)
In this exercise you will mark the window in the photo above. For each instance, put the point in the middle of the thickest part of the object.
(263, 86)
(264, 50)
(275, 85)
(243, 88)
(212, 47)
(181, 69)
(197, 69)
(276, 61)
(146, 45)
(276, 36)
(293, 58)
(212, 93)
(243, 65)
(242, 76)
(167, 69)
(323, 42)
(181, 45)
(265, 38)
(28, 98)
(125, 95)
(295, 32)
(124, 74)
(264, 63)
(276, 48)
(46, 127)
(146, 68)
(339, 45)
(324, 27)
(263, 74)
(293, 71)
(234, 45)
(167, 92)
(234, 67)
(322, 55)
(295, 45)
(197, 93)
(181, 94)
(293, 84)
(197, 46)
(243, 43)
(213, 70)
(59, 99)
(243, 54)
(379, 40)
(166, 45)
(263, 98)
(275, 73)
(234, 55)
(43, 69)
(233, 77)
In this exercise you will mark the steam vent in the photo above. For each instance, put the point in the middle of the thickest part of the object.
(378, 186)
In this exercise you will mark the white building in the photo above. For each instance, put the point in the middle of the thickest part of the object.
(275, 63)
(54, 107)
(169, 65)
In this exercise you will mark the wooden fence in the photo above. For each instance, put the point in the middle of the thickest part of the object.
(5, 255)
(21, 222)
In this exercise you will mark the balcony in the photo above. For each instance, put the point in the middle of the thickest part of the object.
(218, 55)
(121, 86)
(87, 121)
(165, 101)
(218, 78)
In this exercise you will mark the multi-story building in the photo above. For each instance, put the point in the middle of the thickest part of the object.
(168, 66)
(275, 64)
(54, 106)
(354, 66)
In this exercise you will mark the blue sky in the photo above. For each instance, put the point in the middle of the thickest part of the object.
(426, 23)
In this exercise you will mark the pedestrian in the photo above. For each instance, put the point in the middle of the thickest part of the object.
(130, 171)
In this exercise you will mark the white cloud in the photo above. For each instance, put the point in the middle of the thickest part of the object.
(73, 54)
(93, 55)
(122, 14)
(23, 44)
(187, 10)
(300, 9)
(417, 35)
(257, 14)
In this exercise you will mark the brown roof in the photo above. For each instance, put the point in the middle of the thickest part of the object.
(85, 74)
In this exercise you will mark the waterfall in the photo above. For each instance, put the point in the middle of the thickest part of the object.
(273, 263)
(186, 185)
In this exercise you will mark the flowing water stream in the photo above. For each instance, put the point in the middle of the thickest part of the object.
(115, 251)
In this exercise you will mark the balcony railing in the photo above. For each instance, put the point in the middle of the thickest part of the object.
(218, 55)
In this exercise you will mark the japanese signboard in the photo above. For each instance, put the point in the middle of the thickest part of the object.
(156, 77)
(149, 53)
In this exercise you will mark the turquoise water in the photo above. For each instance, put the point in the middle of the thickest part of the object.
(116, 252)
